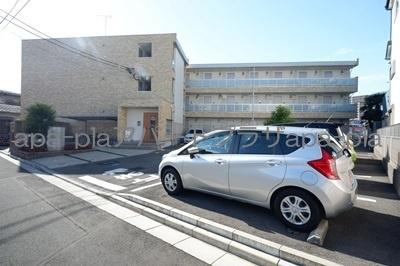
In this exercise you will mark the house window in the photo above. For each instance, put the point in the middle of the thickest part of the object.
(328, 74)
(278, 75)
(302, 74)
(230, 75)
(145, 49)
(253, 75)
(144, 84)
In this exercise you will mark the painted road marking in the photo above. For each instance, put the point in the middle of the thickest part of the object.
(366, 199)
(101, 183)
(146, 187)
(128, 175)
(147, 179)
(115, 171)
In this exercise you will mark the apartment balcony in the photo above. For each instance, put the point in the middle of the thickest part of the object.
(265, 110)
(273, 85)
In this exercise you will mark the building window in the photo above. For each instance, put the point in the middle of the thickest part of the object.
(145, 49)
(302, 99)
(302, 74)
(278, 75)
(230, 99)
(277, 99)
(208, 75)
(392, 69)
(327, 99)
(230, 75)
(328, 74)
(253, 75)
(144, 84)
(168, 129)
(207, 99)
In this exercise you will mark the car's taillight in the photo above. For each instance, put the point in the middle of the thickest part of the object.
(326, 165)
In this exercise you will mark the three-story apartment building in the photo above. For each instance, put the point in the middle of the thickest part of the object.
(223, 95)
(141, 95)
(141, 88)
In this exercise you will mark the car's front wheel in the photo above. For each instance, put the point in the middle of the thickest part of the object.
(171, 181)
(297, 209)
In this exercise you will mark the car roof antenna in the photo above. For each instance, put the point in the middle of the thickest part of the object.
(310, 123)
(327, 120)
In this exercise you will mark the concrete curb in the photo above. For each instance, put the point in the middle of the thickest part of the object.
(242, 239)
(243, 251)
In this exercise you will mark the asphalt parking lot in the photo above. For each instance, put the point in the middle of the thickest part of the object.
(366, 235)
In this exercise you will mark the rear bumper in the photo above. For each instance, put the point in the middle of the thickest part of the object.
(338, 199)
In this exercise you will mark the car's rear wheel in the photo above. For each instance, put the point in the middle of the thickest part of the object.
(297, 209)
(171, 181)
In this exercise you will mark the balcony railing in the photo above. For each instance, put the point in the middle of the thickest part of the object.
(275, 82)
(266, 108)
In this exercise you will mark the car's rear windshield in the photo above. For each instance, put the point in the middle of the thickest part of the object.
(330, 145)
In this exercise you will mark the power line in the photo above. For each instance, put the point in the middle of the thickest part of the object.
(9, 12)
(65, 45)
(13, 16)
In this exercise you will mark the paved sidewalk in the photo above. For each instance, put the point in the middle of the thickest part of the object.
(42, 224)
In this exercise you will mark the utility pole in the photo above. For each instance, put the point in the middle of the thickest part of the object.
(105, 17)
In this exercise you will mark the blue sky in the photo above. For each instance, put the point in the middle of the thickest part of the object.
(222, 31)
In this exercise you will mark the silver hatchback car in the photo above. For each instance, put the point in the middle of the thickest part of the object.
(302, 174)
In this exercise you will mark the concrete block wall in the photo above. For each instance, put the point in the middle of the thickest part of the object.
(389, 153)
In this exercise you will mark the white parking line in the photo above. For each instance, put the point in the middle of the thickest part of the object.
(145, 187)
(366, 199)
(147, 179)
(363, 176)
(101, 183)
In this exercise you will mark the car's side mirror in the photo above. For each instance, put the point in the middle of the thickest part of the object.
(346, 152)
(192, 151)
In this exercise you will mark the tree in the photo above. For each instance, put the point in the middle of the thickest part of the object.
(372, 109)
(40, 117)
(282, 114)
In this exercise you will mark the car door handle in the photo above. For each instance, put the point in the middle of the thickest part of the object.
(220, 161)
(273, 162)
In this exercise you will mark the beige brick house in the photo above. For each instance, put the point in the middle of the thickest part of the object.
(88, 93)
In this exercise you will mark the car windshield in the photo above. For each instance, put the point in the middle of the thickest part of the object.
(199, 131)
(191, 131)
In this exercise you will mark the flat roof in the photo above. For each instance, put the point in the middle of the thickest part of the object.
(349, 64)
